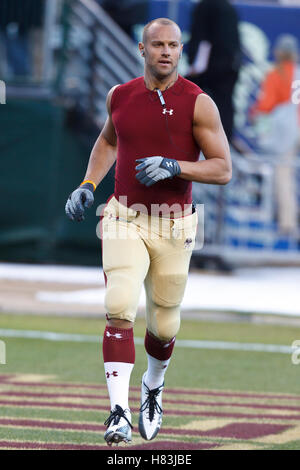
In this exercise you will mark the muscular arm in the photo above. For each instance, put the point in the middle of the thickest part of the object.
(209, 134)
(104, 152)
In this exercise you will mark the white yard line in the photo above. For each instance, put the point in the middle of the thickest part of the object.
(180, 343)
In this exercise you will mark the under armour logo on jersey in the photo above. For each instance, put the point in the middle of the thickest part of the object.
(114, 374)
(170, 111)
(117, 335)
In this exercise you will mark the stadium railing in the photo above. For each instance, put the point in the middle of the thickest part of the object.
(98, 55)
(241, 219)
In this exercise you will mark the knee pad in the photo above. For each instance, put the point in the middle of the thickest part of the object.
(164, 297)
(120, 301)
(164, 323)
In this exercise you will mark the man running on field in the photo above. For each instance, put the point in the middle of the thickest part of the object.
(155, 129)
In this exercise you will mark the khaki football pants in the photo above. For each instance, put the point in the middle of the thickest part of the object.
(156, 251)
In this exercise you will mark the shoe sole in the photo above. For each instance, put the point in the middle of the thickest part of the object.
(115, 438)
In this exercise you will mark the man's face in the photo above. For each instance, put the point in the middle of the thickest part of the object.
(162, 49)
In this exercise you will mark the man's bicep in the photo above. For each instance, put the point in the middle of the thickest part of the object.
(212, 141)
(208, 130)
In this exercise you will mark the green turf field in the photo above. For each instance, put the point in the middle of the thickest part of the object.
(52, 393)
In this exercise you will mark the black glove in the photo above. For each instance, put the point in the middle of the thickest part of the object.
(154, 169)
(79, 200)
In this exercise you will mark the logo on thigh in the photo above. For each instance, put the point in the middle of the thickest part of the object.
(188, 242)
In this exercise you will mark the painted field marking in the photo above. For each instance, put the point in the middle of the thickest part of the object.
(223, 427)
(180, 343)
(30, 380)
(232, 430)
(207, 404)
(168, 411)
(159, 445)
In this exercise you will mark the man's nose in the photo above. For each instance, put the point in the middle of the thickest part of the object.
(166, 51)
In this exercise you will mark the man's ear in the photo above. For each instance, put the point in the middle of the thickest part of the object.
(142, 49)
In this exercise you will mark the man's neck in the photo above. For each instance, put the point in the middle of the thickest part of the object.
(163, 84)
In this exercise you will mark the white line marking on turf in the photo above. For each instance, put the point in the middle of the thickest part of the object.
(180, 343)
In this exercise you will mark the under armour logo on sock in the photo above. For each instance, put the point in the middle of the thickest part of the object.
(117, 335)
(114, 374)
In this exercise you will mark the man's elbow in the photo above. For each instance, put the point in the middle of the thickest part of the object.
(225, 177)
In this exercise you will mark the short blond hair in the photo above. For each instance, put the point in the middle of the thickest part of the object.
(161, 21)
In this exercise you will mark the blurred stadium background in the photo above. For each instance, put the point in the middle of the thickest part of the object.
(58, 59)
(57, 74)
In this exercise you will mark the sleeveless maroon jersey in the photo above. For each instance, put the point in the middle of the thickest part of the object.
(145, 129)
